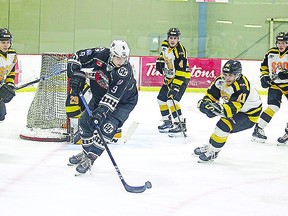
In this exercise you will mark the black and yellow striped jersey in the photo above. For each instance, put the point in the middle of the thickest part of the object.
(241, 96)
(7, 66)
(274, 61)
(175, 59)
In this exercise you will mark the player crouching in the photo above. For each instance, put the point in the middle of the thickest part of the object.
(239, 109)
(114, 96)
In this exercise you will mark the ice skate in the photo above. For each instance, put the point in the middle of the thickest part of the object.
(208, 156)
(200, 150)
(258, 135)
(283, 140)
(76, 159)
(178, 127)
(166, 126)
(85, 164)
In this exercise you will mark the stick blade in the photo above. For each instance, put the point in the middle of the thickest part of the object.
(137, 189)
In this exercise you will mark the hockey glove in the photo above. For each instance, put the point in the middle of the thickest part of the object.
(168, 73)
(97, 118)
(283, 74)
(160, 65)
(77, 82)
(7, 92)
(217, 109)
(204, 106)
(266, 81)
(173, 91)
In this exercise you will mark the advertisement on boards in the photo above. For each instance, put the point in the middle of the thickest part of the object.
(203, 72)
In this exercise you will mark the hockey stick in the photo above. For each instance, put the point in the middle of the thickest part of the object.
(216, 110)
(180, 122)
(40, 79)
(128, 188)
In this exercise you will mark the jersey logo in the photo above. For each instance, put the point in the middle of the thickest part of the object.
(101, 79)
(89, 52)
(181, 64)
(119, 82)
(122, 72)
(98, 63)
(82, 54)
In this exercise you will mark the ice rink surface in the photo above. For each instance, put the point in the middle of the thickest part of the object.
(247, 178)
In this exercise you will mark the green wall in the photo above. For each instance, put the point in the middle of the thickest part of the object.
(68, 25)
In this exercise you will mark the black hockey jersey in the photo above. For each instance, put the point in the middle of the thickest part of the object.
(111, 87)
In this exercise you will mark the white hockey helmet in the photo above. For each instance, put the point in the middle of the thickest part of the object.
(120, 49)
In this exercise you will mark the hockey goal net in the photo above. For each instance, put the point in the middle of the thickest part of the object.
(46, 119)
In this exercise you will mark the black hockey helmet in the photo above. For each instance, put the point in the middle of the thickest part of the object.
(173, 32)
(5, 35)
(282, 36)
(233, 67)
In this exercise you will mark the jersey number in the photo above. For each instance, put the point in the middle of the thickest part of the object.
(241, 98)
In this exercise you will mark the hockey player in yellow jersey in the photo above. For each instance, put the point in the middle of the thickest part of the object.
(173, 64)
(274, 76)
(232, 97)
(8, 59)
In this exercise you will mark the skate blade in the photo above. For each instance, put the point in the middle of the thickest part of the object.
(80, 174)
(201, 161)
(164, 131)
(69, 164)
(258, 140)
(180, 134)
(281, 144)
(173, 135)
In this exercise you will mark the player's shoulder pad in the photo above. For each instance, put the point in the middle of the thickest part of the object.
(165, 44)
(11, 51)
(101, 50)
(181, 49)
(242, 84)
(274, 50)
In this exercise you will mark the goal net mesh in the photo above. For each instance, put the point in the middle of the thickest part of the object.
(46, 119)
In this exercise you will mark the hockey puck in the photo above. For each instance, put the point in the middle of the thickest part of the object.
(148, 184)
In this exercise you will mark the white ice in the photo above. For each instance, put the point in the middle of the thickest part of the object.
(247, 178)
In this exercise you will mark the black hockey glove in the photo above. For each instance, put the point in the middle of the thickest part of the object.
(173, 91)
(204, 105)
(7, 92)
(283, 74)
(160, 65)
(77, 82)
(97, 118)
(266, 81)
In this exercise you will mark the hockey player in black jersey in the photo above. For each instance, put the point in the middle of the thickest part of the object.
(8, 60)
(232, 97)
(114, 96)
(173, 64)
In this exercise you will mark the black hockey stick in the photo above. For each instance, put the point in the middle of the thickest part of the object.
(128, 188)
(180, 122)
(40, 79)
